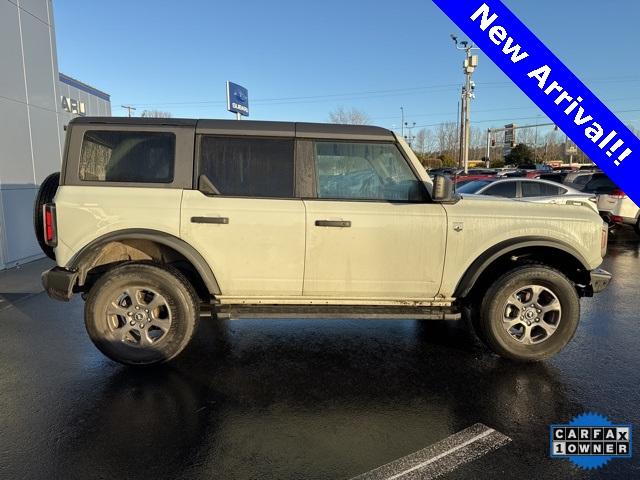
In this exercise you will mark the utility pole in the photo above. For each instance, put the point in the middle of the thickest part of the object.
(489, 148)
(469, 66)
(402, 121)
(409, 138)
(461, 130)
(129, 108)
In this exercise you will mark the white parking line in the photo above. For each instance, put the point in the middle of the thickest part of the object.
(442, 457)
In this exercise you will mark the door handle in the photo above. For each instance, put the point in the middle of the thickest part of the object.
(333, 223)
(214, 220)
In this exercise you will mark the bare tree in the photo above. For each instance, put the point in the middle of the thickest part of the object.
(155, 114)
(351, 116)
(420, 142)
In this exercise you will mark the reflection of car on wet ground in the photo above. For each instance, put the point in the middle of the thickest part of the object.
(531, 190)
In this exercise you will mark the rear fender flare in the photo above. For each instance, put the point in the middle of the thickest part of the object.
(82, 260)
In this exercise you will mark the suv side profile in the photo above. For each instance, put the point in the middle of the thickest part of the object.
(152, 220)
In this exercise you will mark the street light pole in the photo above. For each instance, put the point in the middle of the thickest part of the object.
(469, 66)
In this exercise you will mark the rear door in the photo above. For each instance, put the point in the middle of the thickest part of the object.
(372, 233)
(246, 220)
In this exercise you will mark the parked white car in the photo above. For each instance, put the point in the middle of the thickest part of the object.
(530, 190)
(613, 204)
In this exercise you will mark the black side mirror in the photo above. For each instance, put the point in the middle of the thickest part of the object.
(442, 189)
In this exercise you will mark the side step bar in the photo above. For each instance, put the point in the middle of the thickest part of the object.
(333, 311)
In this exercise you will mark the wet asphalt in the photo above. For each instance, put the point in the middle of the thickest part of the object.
(306, 399)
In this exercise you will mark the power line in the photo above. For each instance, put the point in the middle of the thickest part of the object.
(509, 119)
(355, 95)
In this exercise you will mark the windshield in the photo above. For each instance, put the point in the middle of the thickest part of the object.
(472, 186)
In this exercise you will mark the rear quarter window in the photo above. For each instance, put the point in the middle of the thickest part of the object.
(127, 156)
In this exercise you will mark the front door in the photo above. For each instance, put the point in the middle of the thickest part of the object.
(371, 232)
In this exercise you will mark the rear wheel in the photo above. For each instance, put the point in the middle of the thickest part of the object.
(46, 192)
(141, 313)
(529, 313)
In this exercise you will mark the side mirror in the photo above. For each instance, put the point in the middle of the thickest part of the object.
(442, 189)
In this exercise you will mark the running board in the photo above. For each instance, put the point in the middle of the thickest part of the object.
(335, 311)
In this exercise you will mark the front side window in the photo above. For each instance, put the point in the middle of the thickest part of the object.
(249, 167)
(502, 189)
(117, 156)
(364, 171)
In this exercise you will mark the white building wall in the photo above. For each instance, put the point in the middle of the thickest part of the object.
(29, 139)
(31, 119)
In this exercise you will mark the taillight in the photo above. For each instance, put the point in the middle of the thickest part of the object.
(616, 219)
(617, 193)
(49, 218)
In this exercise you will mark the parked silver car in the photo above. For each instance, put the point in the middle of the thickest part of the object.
(531, 190)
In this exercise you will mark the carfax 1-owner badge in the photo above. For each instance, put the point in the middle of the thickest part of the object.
(590, 440)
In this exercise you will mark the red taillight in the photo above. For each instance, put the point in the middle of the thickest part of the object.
(617, 193)
(50, 235)
(616, 219)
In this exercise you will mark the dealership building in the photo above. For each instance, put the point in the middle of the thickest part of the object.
(36, 104)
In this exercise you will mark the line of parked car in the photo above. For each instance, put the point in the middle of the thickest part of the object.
(542, 184)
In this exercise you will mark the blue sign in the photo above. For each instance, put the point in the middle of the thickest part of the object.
(590, 440)
(237, 99)
(552, 87)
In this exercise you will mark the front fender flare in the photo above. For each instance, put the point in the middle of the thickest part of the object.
(481, 263)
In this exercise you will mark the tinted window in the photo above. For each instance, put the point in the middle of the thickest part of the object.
(364, 171)
(600, 183)
(502, 189)
(539, 189)
(471, 187)
(582, 179)
(142, 157)
(249, 167)
(553, 177)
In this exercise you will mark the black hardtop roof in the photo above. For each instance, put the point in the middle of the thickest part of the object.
(251, 127)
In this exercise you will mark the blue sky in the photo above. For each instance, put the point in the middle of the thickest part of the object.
(301, 60)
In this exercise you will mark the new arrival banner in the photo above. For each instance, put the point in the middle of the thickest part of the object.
(552, 86)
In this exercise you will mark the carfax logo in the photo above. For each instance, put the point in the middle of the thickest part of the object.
(590, 440)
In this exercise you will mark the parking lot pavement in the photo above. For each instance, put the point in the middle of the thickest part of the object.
(305, 399)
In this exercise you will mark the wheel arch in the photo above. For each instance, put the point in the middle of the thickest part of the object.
(152, 243)
(509, 253)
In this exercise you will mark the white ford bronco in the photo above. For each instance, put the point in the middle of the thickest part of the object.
(152, 220)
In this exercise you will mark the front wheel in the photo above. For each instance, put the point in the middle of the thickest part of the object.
(529, 313)
(141, 313)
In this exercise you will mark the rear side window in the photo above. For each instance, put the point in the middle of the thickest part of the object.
(249, 167)
(535, 189)
(116, 156)
(502, 189)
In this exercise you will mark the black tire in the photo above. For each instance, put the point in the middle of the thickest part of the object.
(119, 336)
(636, 227)
(46, 192)
(496, 305)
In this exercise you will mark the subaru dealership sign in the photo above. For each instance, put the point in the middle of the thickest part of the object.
(237, 99)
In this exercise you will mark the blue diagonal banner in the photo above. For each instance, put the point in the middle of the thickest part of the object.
(552, 87)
